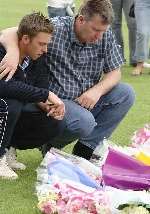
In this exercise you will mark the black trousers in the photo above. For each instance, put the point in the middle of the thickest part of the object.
(28, 127)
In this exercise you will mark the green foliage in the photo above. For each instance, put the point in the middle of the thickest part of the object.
(18, 197)
(139, 114)
(12, 11)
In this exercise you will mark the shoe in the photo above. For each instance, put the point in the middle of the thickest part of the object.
(45, 148)
(11, 157)
(96, 160)
(146, 65)
(137, 72)
(99, 153)
(5, 171)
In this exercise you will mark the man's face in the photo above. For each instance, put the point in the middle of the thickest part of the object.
(89, 31)
(37, 46)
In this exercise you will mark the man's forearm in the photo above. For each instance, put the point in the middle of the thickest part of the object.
(21, 91)
(108, 82)
(9, 38)
(9, 63)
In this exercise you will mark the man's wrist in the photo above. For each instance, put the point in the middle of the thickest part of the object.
(42, 106)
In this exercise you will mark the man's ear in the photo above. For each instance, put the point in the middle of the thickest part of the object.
(25, 39)
(81, 19)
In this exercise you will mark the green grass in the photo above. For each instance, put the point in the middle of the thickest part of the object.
(18, 197)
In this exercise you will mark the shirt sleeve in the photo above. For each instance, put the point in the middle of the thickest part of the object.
(113, 58)
(21, 91)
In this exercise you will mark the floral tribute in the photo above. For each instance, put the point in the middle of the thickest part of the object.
(63, 199)
(78, 190)
(141, 136)
(60, 194)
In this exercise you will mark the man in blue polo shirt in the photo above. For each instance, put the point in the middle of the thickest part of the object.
(84, 62)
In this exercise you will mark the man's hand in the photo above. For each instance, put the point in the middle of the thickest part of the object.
(53, 106)
(89, 98)
(56, 107)
(57, 112)
(9, 39)
(8, 65)
(54, 99)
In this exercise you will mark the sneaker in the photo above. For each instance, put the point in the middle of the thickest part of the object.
(5, 171)
(96, 160)
(146, 65)
(11, 157)
(100, 153)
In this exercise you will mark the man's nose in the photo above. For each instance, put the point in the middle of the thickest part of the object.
(45, 49)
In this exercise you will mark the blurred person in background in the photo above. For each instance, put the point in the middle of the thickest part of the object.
(121, 7)
(142, 17)
(60, 8)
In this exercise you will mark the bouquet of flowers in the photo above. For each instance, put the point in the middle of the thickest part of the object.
(65, 186)
(68, 184)
(63, 199)
(141, 136)
(141, 141)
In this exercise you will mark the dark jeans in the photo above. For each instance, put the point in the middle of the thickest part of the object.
(28, 127)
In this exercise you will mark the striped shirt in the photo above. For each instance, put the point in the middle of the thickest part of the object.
(75, 67)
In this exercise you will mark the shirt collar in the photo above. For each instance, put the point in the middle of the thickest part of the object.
(72, 34)
(25, 63)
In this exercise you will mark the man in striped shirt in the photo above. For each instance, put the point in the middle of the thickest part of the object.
(84, 63)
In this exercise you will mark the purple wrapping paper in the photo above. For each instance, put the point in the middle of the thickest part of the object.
(124, 172)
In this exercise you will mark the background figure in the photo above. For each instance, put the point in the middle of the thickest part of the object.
(60, 8)
(142, 15)
(120, 6)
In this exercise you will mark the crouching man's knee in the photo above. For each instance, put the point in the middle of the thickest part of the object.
(78, 121)
(85, 124)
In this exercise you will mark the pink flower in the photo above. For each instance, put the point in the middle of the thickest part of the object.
(141, 136)
(75, 203)
(48, 207)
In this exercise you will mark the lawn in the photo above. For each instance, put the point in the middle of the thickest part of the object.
(18, 197)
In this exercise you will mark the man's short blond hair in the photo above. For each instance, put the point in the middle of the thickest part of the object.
(34, 23)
